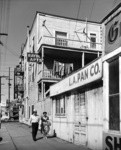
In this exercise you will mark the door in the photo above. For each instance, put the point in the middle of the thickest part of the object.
(80, 119)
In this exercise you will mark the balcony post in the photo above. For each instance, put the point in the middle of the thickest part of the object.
(42, 61)
(83, 58)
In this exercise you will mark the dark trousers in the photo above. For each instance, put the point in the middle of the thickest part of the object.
(34, 130)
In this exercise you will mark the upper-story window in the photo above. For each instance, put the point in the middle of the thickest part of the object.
(33, 47)
(92, 40)
(61, 38)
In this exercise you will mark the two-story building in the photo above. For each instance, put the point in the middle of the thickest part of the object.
(112, 80)
(64, 45)
(90, 97)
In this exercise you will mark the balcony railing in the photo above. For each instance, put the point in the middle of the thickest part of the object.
(47, 74)
(61, 42)
(70, 43)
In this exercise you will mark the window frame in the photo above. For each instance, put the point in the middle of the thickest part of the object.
(60, 106)
(93, 43)
(111, 94)
(61, 41)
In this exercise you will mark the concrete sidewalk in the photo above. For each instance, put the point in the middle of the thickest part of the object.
(18, 136)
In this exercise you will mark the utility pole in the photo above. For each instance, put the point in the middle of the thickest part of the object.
(9, 87)
(0, 100)
(1, 84)
(1, 43)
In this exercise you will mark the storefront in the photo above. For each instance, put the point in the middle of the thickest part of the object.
(77, 112)
(112, 100)
(112, 81)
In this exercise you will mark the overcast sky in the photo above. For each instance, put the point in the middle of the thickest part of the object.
(16, 15)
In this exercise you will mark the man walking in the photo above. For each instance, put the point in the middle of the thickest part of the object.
(34, 121)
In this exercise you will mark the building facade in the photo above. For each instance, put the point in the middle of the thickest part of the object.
(89, 113)
(112, 78)
(76, 106)
(62, 67)
(62, 49)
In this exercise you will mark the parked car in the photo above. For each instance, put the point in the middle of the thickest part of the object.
(14, 117)
(4, 118)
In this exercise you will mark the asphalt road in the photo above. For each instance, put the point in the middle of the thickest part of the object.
(17, 136)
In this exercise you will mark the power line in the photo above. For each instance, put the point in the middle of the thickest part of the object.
(114, 2)
(77, 14)
(77, 17)
(91, 10)
(7, 22)
(14, 53)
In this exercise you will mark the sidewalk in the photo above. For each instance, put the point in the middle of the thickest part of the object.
(6, 143)
(17, 136)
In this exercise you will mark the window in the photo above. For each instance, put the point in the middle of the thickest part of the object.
(114, 117)
(92, 40)
(60, 106)
(29, 111)
(39, 92)
(60, 38)
(32, 109)
(79, 101)
(33, 47)
(33, 76)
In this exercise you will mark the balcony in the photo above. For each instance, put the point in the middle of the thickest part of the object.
(69, 43)
(47, 74)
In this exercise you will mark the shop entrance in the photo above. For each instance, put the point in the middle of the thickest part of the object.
(80, 119)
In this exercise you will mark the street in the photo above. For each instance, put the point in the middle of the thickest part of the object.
(17, 136)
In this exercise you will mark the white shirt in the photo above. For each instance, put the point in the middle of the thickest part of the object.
(34, 119)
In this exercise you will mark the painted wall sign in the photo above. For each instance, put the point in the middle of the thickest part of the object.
(84, 76)
(113, 33)
(33, 57)
(89, 73)
(111, 141)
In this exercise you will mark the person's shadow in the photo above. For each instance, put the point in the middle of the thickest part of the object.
(48, 136)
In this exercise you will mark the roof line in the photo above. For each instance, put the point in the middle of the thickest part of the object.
(110, 13)
(44, 13)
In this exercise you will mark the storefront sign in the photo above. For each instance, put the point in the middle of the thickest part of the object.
(113, 33)
(111, 141)
(33, 57)
(84, 76)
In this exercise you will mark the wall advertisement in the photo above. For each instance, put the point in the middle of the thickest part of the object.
(86, 75)
(113, 33)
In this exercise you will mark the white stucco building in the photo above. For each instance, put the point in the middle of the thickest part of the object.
(70, 51)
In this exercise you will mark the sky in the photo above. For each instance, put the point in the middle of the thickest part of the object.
(16, 15)
(21, 14)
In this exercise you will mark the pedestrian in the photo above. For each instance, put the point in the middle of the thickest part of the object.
(34, 121)
(45, 124)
